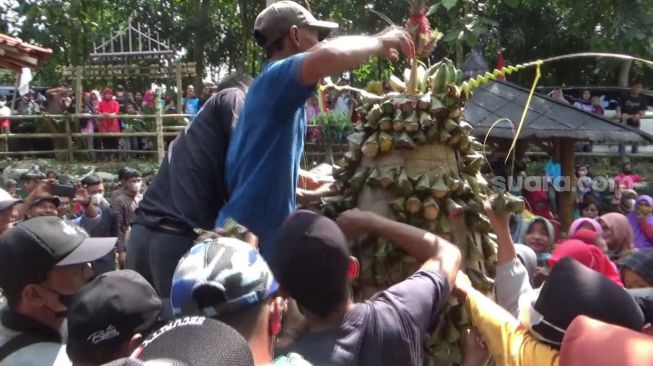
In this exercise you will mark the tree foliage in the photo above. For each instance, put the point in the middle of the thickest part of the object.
(217, 34)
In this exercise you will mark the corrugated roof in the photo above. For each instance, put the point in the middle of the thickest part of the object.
(547, 117)
(16, 54)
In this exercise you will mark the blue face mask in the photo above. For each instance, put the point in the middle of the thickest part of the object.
(542, 259)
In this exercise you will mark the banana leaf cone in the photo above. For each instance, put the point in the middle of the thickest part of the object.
(453, 90)
(424, 103)
(388, 178)
(453, 183)
(362, 111)
(474, 166)
(464, 145)
(454, 208)
(416, 221)
(444, 136)
(483, 224)
(473, 206)
(233, 228)
(490, 247)
(398, 205)
(374, 180)
(437, 108)
(403, 186)
(357, 180)
(349, 202)
(450, 125)
(466, 190)
(408, 106)
(373, 116)
(413, 205)
(456, 114)
(385, 124)
(425, 119)
(351, 159)
(433, 133)
(444, 225)
(455, 138)
(388, 108)
(411, 124)
(439, 189)
(480, 281)
(386, 142)
(356, 139)
(431, 209)
(477, 145)
(420, 138)
(474, 253)
(515, 204)
(466, 127)
(398, 121)
(423, 184)
(450, 102)
(403, 141)
(371, 146)
(333, 205)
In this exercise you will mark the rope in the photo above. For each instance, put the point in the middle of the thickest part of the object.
(538, 75)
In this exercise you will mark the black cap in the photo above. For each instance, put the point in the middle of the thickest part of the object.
(196, 340)
(56, 201)
(312, 261)
(29, 250)
(91, 180)
(32, 174)
(572, 290)
(108, 311)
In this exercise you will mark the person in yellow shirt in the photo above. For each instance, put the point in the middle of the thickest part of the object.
(509, 342)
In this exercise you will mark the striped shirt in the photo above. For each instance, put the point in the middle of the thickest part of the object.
(123, 206)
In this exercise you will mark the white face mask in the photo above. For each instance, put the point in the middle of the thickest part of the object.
(97, 199)
(136, 187)
(630, 203)
(2, 104)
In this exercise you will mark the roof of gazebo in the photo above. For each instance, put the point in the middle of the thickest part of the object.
(16, 54)
(546, 118)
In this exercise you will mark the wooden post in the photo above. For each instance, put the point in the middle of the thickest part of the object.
(568, 195)
(160, 148)
(13, 100)
(180, 89)
(69, 141)
(78, 89)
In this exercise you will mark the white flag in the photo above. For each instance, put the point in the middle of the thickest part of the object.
(25, 78)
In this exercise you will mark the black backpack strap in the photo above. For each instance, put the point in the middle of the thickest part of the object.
(23, 340)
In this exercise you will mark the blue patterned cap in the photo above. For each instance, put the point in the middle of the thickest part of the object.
(219, 276)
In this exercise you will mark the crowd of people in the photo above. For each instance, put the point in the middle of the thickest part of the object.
(101, 106)
(145, 278)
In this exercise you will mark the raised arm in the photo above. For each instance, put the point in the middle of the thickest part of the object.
(345, 53)
(434, 252)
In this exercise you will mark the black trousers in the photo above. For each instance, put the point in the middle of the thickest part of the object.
(155, 254)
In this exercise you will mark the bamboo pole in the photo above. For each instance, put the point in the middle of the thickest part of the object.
(69, 141)
(159, 126)
(567, 201)
(180, 88)
(13, 100)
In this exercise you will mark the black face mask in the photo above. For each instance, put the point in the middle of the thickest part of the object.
(64, 299)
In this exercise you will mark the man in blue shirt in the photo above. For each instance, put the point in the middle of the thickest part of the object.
(191, 102)
(267, 145)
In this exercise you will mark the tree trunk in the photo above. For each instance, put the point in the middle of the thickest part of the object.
(624, 72)
(202, 12)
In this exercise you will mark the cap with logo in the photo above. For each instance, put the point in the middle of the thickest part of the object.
(32, 248)
(219, 276)
(7, 201)
(275, 21)
(196, 340)
(108, 311)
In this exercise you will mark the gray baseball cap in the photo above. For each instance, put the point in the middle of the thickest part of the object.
(275, 21)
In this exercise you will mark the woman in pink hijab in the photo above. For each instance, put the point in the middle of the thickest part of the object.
(618, 236)
(148, 98)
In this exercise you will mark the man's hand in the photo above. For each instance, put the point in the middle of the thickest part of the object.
(354, 223)
(394, 40)
(81, 196)
(498, 221)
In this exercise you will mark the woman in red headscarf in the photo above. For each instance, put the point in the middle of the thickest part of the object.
(109, 107)
(538, 201)
(589, 255)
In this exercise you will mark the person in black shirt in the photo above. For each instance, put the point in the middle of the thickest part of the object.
(631, 109)
(188, 191)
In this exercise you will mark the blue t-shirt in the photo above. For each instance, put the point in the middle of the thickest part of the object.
(265, 151)
(192, 105)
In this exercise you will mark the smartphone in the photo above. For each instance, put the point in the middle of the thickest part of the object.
(63, 190)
